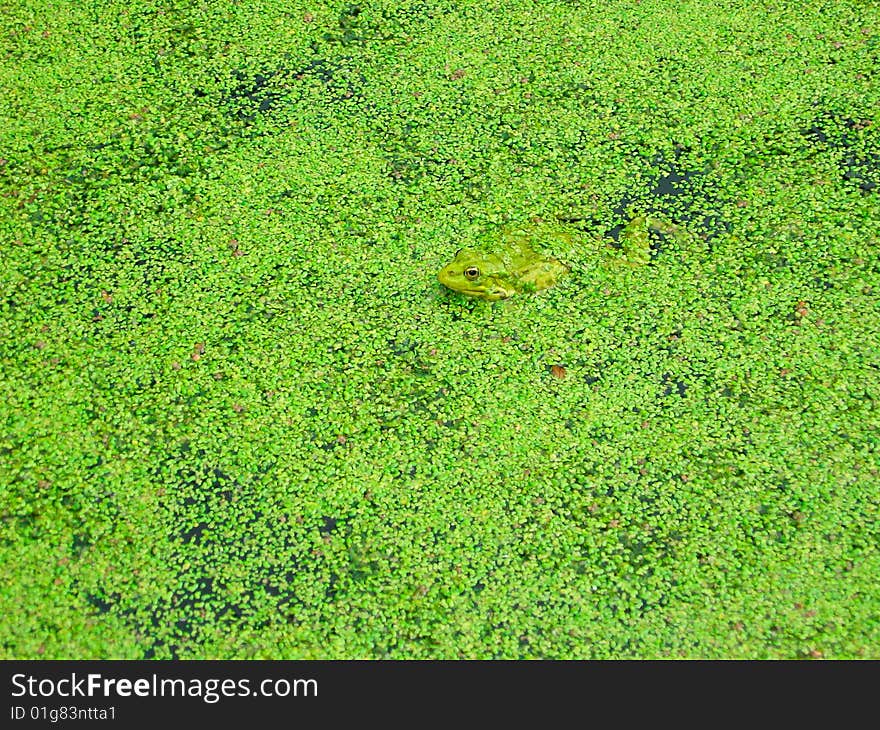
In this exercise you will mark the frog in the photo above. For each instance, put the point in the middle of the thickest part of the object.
(508, 265)
(513, 261)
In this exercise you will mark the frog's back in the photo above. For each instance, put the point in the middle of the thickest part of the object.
(536, 253)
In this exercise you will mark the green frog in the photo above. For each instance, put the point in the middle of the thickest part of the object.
(498, 269)
(511, 264)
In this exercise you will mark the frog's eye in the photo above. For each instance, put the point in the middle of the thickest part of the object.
(471, 273)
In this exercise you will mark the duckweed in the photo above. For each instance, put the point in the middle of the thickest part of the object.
(241, 418)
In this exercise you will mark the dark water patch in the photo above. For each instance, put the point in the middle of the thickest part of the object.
(331, 590)
(202, 601)
(856, 143)
(329, 525)
(194, 534)
(676, 196)
(340, 77)
(679, 194)
(277, 93)
(401, 347)
(673, 385)
(79, 543)
(99, 603)
(153, 651)
(254, 94)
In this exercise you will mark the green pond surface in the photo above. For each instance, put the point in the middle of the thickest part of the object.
(240, 417)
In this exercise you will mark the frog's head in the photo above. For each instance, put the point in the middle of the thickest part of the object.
(477, 274)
